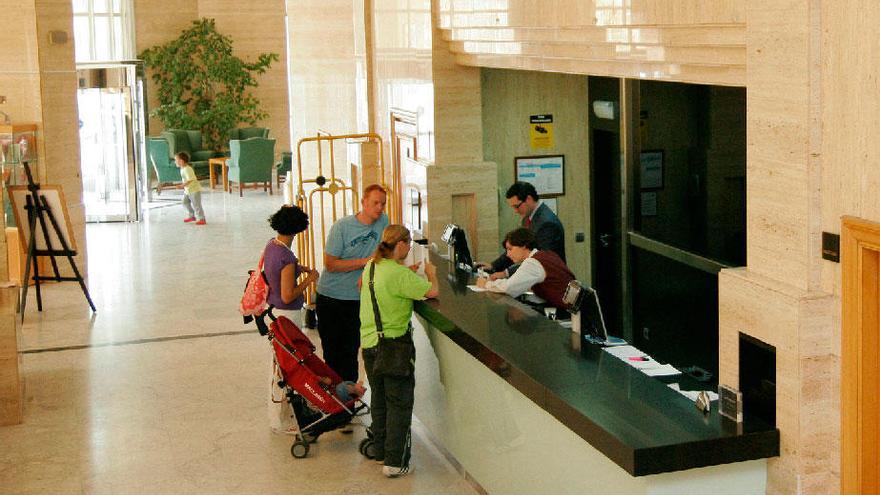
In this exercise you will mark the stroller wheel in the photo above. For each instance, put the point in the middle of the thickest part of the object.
(362, 448)
(299, 449)
(367, 448)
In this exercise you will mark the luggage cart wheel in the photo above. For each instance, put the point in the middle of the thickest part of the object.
(299, 449)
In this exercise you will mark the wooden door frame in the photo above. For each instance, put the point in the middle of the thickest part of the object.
(860, 351)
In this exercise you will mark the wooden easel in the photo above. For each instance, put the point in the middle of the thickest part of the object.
(38, 210)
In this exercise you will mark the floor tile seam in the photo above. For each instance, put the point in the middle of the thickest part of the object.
(78, 347)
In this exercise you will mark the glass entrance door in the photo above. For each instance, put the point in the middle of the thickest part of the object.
(105, 154)
(110, 142)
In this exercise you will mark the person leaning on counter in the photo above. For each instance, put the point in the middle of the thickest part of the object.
(536, 217)
(542, 271)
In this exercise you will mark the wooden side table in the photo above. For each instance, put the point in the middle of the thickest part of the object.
(220, 162)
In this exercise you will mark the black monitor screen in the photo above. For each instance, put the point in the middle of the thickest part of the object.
(455, 237)
(592, 322)
(462, 253)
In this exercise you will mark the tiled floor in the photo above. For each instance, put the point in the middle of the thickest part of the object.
(158, 392)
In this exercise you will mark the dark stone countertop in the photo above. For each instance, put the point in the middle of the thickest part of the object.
(635, 420)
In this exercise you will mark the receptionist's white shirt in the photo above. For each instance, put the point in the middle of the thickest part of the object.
(529, 273)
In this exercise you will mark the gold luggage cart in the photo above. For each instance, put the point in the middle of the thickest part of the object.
(327, 196)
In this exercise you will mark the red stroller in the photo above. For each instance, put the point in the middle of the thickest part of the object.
(315, 409)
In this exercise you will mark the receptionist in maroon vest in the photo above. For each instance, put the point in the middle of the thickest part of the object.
(542, 272)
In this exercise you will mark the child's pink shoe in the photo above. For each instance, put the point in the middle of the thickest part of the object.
(201, 222)
(190, 219)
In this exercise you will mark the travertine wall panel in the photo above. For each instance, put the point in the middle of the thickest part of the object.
(324, 67)
(464, 178)
(851, 116)
(60, 162)
(157, 22)
(797, 324)
(681, 40)
(509, 98)
(458, 123)
(779, 141)
(565, 13)
(403, 70)
(259, 27)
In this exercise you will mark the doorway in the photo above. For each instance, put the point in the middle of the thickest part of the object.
(606, 220)
(606, 176)
(111, 143)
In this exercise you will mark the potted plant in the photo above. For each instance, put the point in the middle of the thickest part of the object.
(202, 85)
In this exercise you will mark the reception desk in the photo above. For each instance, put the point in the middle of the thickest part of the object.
(509, 394)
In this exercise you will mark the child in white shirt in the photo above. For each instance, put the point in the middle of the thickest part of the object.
(192, 190)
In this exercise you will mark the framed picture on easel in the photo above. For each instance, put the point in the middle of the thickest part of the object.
(55, 197)
(42, 218)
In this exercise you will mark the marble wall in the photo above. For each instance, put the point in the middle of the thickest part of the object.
(509, 98)
(327, 69)
(804, 103)
(678, 40)
(850, 112)
(259, 27)
(847, 123)
(154, 26)
(58, 82)
(38, 79)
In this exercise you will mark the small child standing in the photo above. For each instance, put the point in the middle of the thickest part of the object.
(192, 190)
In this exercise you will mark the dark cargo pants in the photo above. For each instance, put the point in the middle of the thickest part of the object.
(391, 405)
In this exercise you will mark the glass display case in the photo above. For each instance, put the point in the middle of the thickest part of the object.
(18, 143)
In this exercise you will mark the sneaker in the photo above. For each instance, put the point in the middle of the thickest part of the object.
(190, 219)
(290, 430)
(396, 472)
(201, 222)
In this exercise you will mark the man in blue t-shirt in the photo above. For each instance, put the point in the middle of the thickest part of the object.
(349, 247)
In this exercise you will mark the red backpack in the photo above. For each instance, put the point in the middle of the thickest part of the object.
(256, 293)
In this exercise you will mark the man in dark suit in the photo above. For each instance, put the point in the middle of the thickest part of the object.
(537, 217)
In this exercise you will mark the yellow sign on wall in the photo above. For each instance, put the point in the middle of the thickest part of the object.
(541, 131)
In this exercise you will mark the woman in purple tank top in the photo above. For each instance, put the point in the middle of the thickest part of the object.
(286, 295)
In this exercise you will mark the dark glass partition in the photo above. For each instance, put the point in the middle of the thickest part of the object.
(689, 189)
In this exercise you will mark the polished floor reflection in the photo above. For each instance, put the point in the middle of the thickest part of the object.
(160, 392)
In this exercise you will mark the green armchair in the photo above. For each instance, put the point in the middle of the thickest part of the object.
(242, 133)
(191, 142)
(250, 162)
(282, 167)
(166, 170)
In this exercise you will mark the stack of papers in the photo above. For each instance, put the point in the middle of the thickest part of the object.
(641, 361)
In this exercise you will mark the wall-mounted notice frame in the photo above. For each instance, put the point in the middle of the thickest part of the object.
(651, 168)
(546, 173)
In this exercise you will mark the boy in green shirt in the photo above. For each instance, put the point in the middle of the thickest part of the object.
(192, 190)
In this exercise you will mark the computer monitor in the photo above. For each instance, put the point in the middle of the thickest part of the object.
(585, 300)
(456, 238)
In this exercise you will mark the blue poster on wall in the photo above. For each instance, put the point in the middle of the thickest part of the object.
(546, 173)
